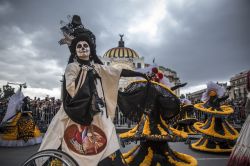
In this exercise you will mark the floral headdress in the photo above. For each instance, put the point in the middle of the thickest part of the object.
(211, 86)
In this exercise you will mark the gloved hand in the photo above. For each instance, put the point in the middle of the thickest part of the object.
(130, 73)
(178, 86)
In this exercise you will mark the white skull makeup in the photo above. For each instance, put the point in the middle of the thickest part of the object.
(83, 50)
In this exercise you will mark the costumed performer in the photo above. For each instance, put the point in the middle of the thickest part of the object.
(83, 126)
(18, 124)
(218, 135)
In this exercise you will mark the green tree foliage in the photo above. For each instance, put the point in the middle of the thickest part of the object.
(8, 91)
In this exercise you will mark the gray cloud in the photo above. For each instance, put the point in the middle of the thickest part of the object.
(201, 40)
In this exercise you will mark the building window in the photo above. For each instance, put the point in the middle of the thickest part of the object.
(244, 92)
(108, 63)
(138, 65)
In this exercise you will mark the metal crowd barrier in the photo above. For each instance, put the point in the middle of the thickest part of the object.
(43, 116)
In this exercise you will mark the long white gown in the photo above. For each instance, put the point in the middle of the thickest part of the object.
(77, 140)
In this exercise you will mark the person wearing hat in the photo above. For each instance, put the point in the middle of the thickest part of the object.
(83, 126)
(218, 135)
(186, 118)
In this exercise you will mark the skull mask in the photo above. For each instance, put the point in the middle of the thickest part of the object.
(83, 50)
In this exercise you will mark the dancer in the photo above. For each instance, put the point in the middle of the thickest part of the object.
(218, 134)
(18, 124)
(152, 105)
(83, 126)
(186, 118)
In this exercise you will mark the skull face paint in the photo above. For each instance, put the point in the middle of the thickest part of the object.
(83, 50)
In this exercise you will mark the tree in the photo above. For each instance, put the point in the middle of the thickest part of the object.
(8, 91)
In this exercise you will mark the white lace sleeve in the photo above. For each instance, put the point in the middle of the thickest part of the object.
(71, 73)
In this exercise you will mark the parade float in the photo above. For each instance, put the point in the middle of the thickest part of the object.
(18, 126)
(152, 105)
(218, 135)
(186, 118)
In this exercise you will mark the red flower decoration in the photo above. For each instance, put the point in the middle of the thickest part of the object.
(160, 75)
(154, 70)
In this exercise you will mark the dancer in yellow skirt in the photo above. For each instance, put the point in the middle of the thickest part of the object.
(152, 105)
(186, 118)
(18, 124)
(218, 134)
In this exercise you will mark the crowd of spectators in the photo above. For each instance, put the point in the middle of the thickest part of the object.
(45, 109)
(239, 115)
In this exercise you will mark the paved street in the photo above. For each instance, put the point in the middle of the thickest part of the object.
(16, 156)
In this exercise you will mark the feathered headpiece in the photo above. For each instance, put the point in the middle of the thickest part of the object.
(73, 32)
(211, 86)
(74, 29)
(156, 75)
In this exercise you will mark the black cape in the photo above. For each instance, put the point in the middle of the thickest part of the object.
(150, 98)
(78, 108)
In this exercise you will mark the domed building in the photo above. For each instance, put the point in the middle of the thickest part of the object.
(125, 58)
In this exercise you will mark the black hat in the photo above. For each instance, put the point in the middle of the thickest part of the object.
(76, 20)
(73, 30)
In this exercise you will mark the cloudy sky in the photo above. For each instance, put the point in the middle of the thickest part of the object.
(201, 40)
